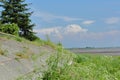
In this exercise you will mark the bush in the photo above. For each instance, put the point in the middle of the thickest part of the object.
(9, 28)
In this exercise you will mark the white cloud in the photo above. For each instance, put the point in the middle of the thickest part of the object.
(47, 30)
(88, 22)
(74, 28)
(112, 20)
(54, 31)
(50, 17)
(61, 31)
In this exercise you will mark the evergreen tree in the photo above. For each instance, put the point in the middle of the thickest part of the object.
(16, 11)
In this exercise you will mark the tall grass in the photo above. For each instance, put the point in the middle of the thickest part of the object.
(98, 67)
(63, 65)
(57, 65)
(85, 67)
(66, 66)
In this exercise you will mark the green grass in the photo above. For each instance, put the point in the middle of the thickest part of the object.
(66, 66)
(86, 67)
(98, 67)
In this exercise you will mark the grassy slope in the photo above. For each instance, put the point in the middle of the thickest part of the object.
(61, 64)
(79, 67)
(19, 56)
(67, 66)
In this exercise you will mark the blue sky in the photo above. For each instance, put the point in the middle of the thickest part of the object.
(78, 23)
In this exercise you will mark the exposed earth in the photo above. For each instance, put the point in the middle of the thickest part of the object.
(13, 59)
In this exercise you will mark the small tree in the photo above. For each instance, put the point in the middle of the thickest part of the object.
(16, 11)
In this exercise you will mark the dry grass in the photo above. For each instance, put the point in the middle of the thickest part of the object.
(1, 52)
(21, 55)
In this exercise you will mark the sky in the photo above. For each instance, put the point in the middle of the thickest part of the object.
(78, 23)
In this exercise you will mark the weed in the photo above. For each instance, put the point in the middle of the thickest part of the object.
(18, 39)
(2, 52)
(34, 57)
(25, 54)
(17, 59)
(57, 65)
(21, 55)
(49, 42)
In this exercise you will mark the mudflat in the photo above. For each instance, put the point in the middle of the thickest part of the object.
(104, 51)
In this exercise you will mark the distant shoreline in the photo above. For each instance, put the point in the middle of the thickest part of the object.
(108, 51)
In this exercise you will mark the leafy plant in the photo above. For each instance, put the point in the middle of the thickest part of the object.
(10, 29)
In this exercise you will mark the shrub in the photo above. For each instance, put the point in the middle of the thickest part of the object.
(9, 28)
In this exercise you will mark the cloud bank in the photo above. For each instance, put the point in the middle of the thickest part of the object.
(73, 28)
(61, 31)
(76, 31)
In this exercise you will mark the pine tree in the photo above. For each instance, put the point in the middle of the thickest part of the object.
(16, 11)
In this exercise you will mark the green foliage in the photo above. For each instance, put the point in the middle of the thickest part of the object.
(39, 42)
(59, 44)
(66, 66)
(58, 65)
(30, 36)
(10, 29)
(97, 67)
(48, 38)
(85, 67)
(16, 11)
(18, 39)
(49, 42)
